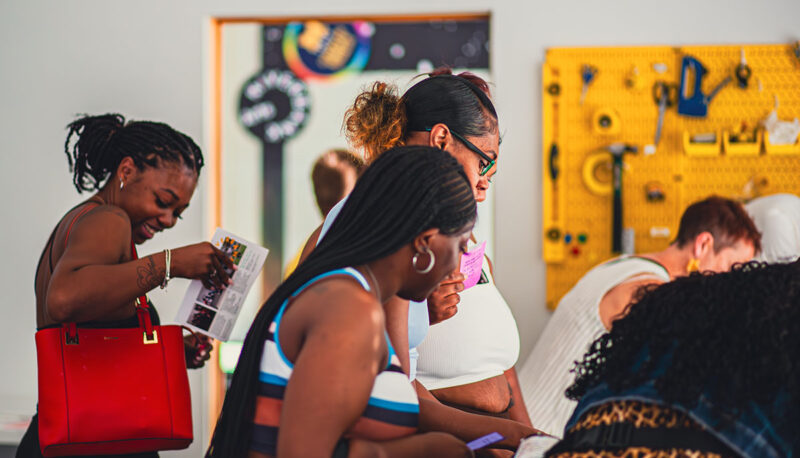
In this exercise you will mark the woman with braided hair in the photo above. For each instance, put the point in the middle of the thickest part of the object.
(143, 174)
(705, 365)
(467, 361)
(317, 374)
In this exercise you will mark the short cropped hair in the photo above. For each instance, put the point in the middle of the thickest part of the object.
(726, 220)
(328, 178)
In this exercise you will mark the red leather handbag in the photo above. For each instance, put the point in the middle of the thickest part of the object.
(113, 391)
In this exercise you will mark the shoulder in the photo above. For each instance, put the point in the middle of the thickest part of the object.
(311, 243)
(335, 316)
(626, 290)
(96, 213)
(616, 301)
(340, 301)
(101, 226)
(112, 213)
(103, 218)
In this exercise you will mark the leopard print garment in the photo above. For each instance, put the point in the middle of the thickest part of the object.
(641, 415)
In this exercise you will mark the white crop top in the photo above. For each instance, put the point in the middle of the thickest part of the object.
(479, 342)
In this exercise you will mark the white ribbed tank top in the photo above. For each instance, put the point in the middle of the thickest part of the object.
(479, 342)
(575, 324)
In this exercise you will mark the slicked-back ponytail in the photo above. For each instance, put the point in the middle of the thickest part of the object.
(380, 119)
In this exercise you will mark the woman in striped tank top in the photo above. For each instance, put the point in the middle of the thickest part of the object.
(317, 375)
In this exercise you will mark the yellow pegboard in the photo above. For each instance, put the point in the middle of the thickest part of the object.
(570, 209)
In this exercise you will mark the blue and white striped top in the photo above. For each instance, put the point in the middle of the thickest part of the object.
(392, 410)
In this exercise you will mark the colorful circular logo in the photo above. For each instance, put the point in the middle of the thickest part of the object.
(324, 51)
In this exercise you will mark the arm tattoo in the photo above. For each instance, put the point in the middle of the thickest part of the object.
(148, 275)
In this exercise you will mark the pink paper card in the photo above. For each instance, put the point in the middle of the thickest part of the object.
(471, 264)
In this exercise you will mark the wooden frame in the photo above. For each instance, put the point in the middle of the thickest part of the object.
(216, 379)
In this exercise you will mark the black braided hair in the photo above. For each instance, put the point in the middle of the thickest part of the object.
(103, 141)
(406, 191)
(733, 337)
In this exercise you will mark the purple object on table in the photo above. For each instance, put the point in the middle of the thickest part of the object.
(484, 441)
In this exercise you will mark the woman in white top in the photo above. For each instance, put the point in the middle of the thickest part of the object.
(474, 350)
(714, 234)
(453, 113)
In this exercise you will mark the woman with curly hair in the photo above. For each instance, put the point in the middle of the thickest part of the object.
(318, 375)
(706, 364)
(468, 359)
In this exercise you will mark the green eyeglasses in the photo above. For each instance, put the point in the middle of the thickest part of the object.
(487, 162)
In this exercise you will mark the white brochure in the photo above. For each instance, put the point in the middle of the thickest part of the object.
(213, 312)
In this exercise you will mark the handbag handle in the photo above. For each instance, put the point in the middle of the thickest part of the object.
(142, 312)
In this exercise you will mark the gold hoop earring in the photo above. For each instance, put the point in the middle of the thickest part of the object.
(429, 267)
(693, 266)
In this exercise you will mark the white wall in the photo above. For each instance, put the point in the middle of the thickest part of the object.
(147, 59)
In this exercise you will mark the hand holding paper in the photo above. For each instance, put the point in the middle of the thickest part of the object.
(209, 308)
(471, 265)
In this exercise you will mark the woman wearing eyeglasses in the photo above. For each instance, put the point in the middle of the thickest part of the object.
(468, 360)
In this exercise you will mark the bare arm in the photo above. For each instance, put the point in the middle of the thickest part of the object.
(396, 310)
(311, 243)
(427, 444)
(334, 371)
(94, 278)
(615, 302)
(89, 280)
(518, 411)
(435, 416)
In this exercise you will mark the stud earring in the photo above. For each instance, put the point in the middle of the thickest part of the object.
(693, 266)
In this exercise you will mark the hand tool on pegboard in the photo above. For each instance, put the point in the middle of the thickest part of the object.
(552, 163)
(665, 95)
(553, 250)
(613, 153)
(617, 150)
(588, 72)
(685, 178)
(695, 103)
(743, 72)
